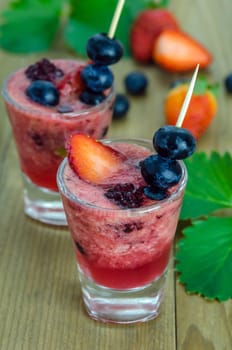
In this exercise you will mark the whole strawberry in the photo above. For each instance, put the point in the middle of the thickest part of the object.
(202, 107)
(146, 28)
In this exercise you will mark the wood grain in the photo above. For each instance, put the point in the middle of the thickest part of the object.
(40, 304)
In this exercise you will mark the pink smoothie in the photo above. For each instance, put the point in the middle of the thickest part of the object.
(120, 247)
(40, 132)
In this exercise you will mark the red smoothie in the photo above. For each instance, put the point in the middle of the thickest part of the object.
(119, 247)
(40, 131)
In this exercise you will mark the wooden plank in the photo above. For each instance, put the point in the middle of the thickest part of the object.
(40, 305)
(202, 324)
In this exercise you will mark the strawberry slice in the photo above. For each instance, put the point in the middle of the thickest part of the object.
(71, 83)
(176, 51)
(91, 160)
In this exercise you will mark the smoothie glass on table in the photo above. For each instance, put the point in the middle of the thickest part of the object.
(122, 253)
(40, 133)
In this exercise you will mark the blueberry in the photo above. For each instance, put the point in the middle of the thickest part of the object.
(228, 83)
(91, 98)
(43, 92)
(96, 77)
(121, 106)
(160, 173)
(136, 83)
(154, 193)
(104, 50)
(174, 142)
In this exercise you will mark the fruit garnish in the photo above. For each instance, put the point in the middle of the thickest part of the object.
(202, 107)
(71, 83)
(121, 106)
(44, 70)
(145, 30)
(96, 77)
(91, 160)
(104, 50)
(126, 195)
(91, 98)
(155, 194)
(160, 173)
(136, 83)
(43, 92)
(173, 142)
(177, 51)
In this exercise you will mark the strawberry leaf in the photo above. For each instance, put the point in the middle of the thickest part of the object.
(29, 25)
(84, 23)
(204, 258)
(202, 85)
(209, 186)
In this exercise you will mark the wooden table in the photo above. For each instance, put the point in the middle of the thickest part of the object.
(40, 304)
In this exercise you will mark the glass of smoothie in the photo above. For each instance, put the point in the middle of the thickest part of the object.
(42, 117)
(122, 238)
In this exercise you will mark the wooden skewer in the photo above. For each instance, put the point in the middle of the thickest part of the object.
(187, 98)
(115, 18)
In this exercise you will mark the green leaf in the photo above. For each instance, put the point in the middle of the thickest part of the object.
(205, 258)
(209, 186)
(202, 85)
(84, 23)
(29, 25)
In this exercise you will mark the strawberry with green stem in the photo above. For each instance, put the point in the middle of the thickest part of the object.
(202, 108)
(145, 30)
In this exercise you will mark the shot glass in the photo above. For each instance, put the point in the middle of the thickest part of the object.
(40, 134)
(122, 254)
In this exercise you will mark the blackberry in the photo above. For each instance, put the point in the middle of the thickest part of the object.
(43, 70)
(126, 195)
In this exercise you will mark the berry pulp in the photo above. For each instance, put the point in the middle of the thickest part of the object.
(41, 131)
(117, 247)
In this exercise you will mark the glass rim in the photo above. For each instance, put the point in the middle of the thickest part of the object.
(151, 207)
(32, 110)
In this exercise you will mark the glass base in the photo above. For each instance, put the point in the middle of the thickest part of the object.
(122, 306)
(42, 204)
